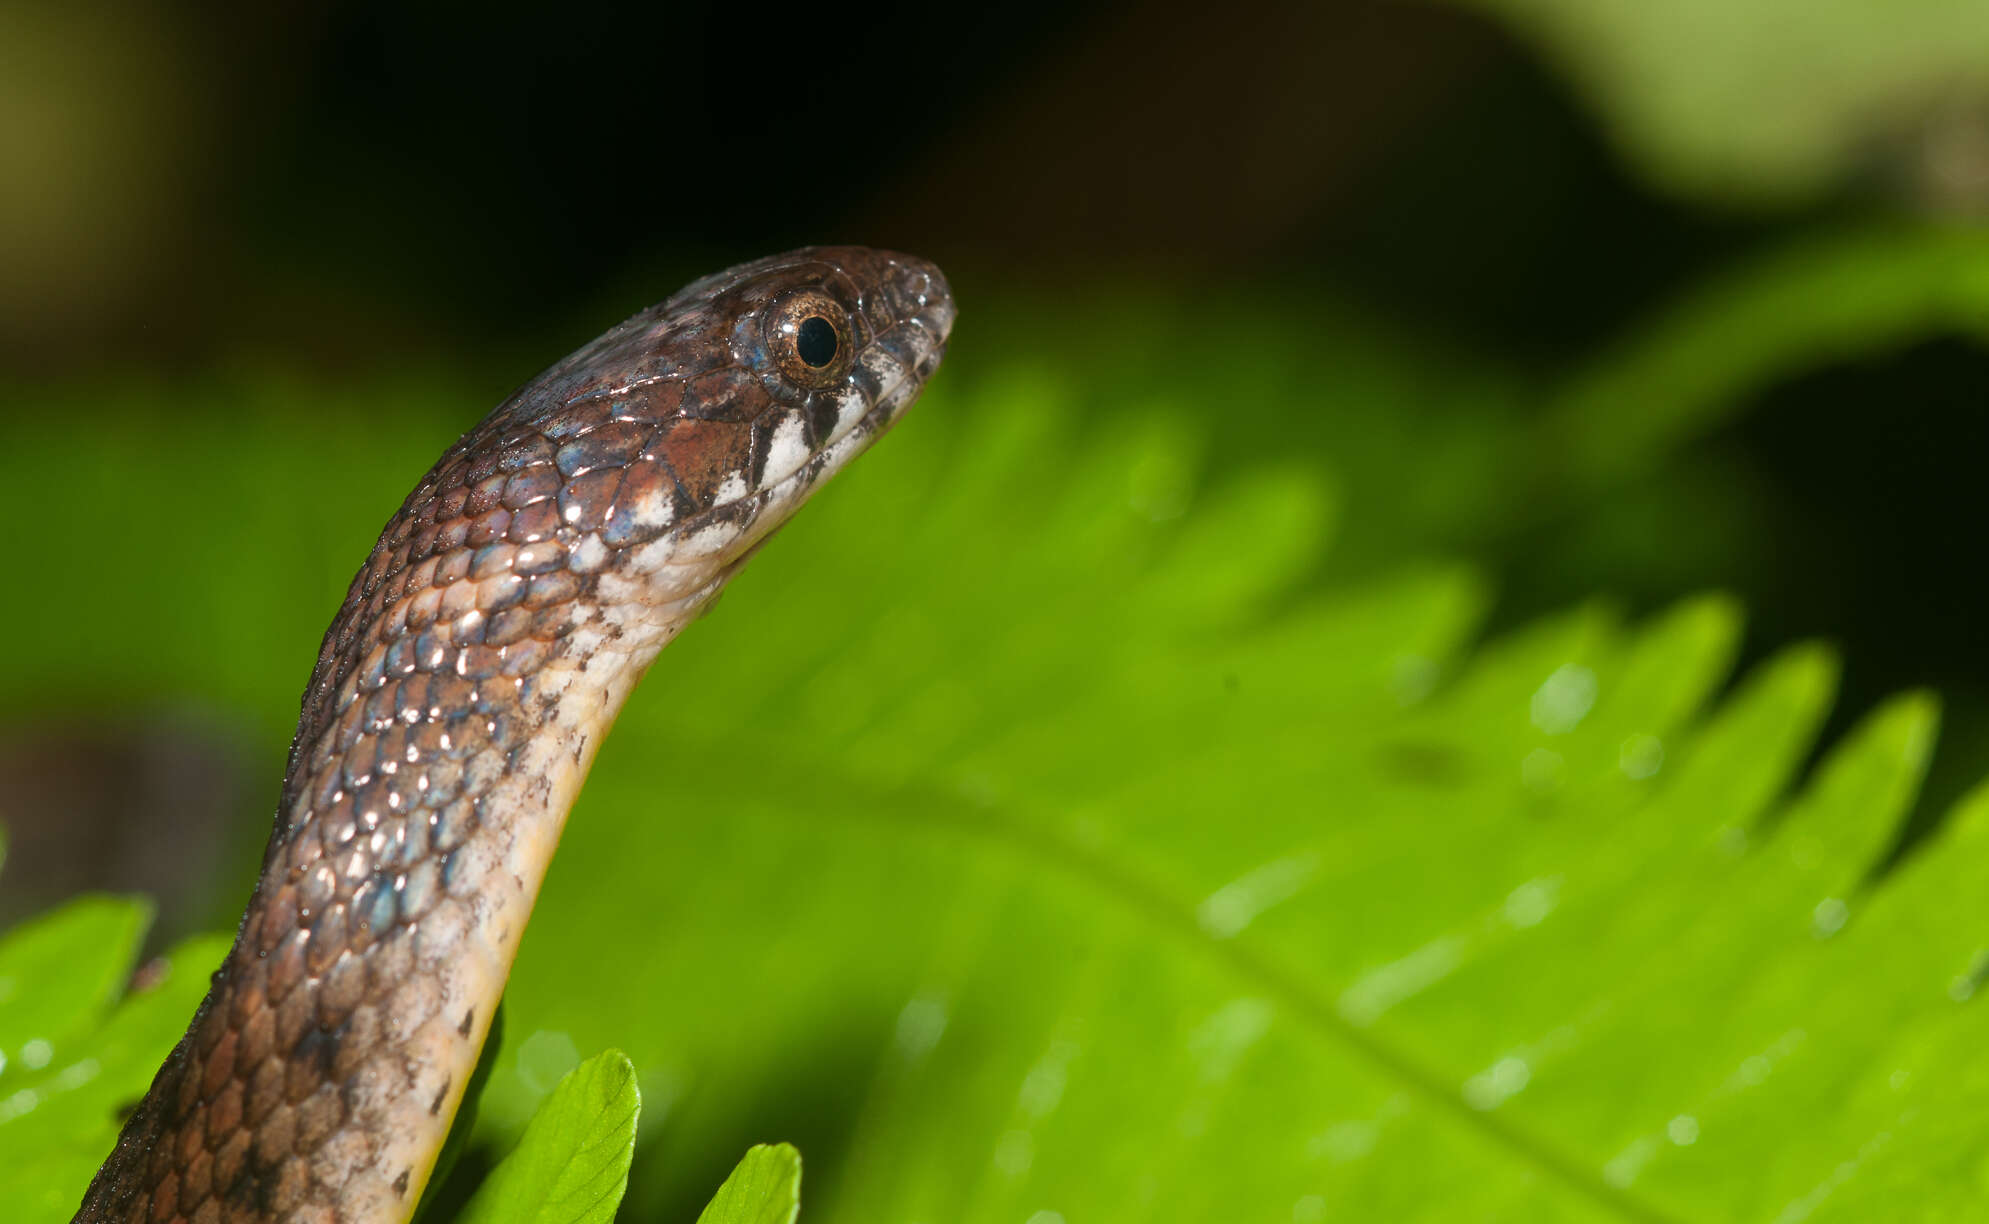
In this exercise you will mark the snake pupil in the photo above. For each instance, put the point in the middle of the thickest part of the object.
(815, 341)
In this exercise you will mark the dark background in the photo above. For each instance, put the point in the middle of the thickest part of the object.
(340, 189)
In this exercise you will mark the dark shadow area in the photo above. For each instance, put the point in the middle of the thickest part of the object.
(1844, 505)
(1873, 471)
(809, 1096)
(1505, 223)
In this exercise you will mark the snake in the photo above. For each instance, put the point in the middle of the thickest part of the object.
(460, 695)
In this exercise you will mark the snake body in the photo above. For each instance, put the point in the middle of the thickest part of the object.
(461, 692)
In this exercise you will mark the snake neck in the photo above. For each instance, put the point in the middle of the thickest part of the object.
(423, 805)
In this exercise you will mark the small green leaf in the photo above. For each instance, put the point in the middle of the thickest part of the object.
(764, 1189)
(58, 1123)
(59, 973)
(572, 1165)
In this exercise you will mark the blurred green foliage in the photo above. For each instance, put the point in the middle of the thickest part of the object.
(75, 1055)
(1073, 816)
(1765, 101)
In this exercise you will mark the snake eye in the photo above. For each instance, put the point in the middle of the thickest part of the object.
(816, 342)
(808, 335)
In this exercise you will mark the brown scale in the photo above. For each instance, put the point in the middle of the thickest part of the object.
(448, 660)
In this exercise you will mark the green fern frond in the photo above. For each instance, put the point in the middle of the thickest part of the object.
(1081, 877)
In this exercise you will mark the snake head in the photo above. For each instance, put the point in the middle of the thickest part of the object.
(660, 455)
